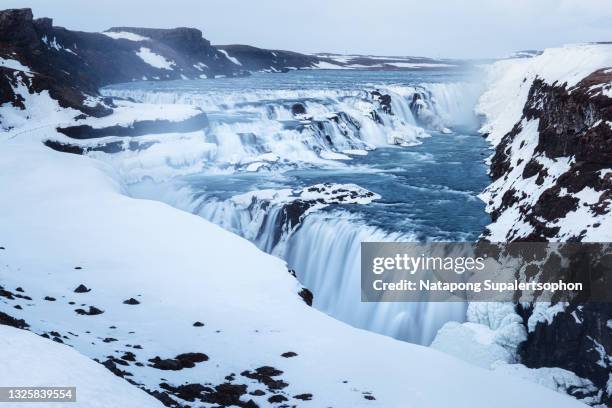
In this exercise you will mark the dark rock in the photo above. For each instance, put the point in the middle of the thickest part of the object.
(111, 365)
(571, 123)
(50, 299)
(303, 397)
(82, 289)
(186, 360)
(13, 322)
(198, 324)
(289, 354)
(227, 395)
(6, 293)
(131, 301)
(138, 128)
(275, 399)
(307, 296)
(258, 59)
(298, 109)
(91, 312)
(384, 100)
(187, 392)
(264, 375)
(128, 356)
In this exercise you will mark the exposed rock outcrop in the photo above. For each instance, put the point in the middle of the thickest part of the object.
(73, 65)
(259, 59)
(552, 181)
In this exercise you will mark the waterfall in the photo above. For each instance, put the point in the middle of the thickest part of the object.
(324, 250)
(279, 129)
(325, 253)
(268, 128)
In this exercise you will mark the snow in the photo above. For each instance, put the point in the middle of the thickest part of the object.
(554, 378)
(13, 64)
(30, 360)
(126, 113)
(491, 334)
(471, 342)
(125, 35)
(322, 194)
(56, 46)
(182, 269)
(229, 57)
(153, 59)
(490, 337)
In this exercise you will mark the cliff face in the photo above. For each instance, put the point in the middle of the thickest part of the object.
(551, 125)
(258, 59)
(72, 65)
(562, 163)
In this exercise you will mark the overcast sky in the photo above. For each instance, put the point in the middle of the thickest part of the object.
(436, 28)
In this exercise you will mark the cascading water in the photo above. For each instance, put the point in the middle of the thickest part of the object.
(284, 135)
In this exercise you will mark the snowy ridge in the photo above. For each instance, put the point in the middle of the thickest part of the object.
(59, 365)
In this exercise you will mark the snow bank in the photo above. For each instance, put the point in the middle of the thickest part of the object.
(126, 113)
(30, 360)
(13, 64)
(155, 60)
(125, 35)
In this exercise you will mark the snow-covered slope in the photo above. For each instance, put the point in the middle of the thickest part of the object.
(30, 360)
(67, 224)
(187, 310)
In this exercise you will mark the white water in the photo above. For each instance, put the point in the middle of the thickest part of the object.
(258, 126)
(325, 253)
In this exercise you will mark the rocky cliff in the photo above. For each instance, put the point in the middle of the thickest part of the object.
(550, 121)
(73, 65)
(259, 59)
